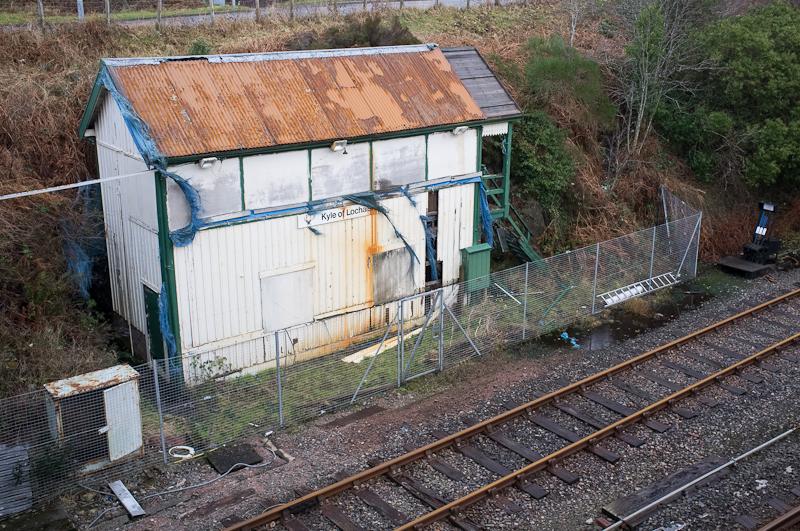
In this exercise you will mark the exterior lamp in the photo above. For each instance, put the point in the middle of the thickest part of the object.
(339, 146)
(207, 162)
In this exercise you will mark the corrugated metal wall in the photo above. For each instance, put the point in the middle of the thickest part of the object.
(129, 211)
(456, 211)
(218, 277)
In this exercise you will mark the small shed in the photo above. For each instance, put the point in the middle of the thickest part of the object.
(296, 191)
(97, 412)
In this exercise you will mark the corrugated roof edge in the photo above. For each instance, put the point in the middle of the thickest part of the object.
(273, 56)
(519, 112)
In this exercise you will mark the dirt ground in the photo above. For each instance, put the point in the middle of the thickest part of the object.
(342, 443)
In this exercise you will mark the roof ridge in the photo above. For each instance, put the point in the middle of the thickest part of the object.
(273, 56)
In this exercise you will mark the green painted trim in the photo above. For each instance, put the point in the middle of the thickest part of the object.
(507, 173)
(372, 186)
(427, 177)
(476, 207)
(241, 179)
(311, 145)
(310, 190)
(166, 253)
(89, 111)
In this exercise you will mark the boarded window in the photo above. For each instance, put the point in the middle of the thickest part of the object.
(398, 161)
(276, 179)
(393, 274)
(286, 299)
(218, 186)
(335, 174)
(450, 154)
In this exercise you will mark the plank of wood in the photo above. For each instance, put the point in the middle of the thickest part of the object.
(531, 455)
(372, 499)
(532, 489)
(569, 435)
(753, 378)
(779, 505)
(338, 518)
(126, 498)
(432, 499)
(688, 371)
(505, 503)
(293, 524)
(746, 521)
(480, 457)
(624, 410)
(583, 416)
(627, 505)
(224, 501)
(445, 468)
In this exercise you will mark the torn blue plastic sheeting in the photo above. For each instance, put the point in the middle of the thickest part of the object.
(486, 216)
(185, 236)
(370, 200)
(569, 339)
(163, 323)
(430, 249)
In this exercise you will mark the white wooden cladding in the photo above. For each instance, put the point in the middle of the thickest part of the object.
(129, 211)
(218, 275)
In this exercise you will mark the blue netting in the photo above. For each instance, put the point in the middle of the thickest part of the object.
(185, 236)
(370, 200)
(79, 266)
(486, 216)
(164, 324)
(429, 247)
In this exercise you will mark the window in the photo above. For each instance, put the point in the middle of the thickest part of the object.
(287, 298)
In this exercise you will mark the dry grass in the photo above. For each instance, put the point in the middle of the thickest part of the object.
(45, 80)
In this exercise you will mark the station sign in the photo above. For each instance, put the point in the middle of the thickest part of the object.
(332, 215)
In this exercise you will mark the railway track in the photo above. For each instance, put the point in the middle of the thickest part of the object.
(395, 493)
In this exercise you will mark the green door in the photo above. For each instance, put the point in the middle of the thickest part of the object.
(153, 324)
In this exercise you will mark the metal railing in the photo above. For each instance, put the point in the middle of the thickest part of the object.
(204, 400)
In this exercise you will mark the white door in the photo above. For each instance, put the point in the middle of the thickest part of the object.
(123, 419)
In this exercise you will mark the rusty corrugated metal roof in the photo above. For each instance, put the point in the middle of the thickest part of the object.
(91, 381)
(225, 103)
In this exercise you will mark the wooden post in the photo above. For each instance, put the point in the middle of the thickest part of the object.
(40, 10)
(258, 10)
(108, 12)
(211, 9)
(80, 10)
(291, 9)
(159, 7)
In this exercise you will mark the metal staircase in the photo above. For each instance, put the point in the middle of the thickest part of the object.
(518, 237)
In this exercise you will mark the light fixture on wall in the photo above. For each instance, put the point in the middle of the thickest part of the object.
(339, 146)
(207, 162)
(460, 130)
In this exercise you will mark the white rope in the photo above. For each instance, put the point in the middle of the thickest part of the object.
(28, 193)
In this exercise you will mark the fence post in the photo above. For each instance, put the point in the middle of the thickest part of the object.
(364, 5)
(159, 7)
(652, 253)
(525, 305)
(402, 2)
(697, 248)
(80, 10)
(211, 9)
(335, 7)
(153, 365)
(594, 283)
(258, 10)
(108, 11)
(400, 325)
(441, 329)
(689, 245)
(40, 11)
(278, 376)
(291, 9)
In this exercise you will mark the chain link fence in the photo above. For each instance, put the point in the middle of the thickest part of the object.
(96, 427)
(40, 12)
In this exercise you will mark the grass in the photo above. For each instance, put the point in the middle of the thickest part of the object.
(15, 18)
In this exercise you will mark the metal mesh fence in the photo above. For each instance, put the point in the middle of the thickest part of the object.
(207, 399)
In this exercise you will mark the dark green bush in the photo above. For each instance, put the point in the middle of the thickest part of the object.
(541, 164)
(558, 73)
